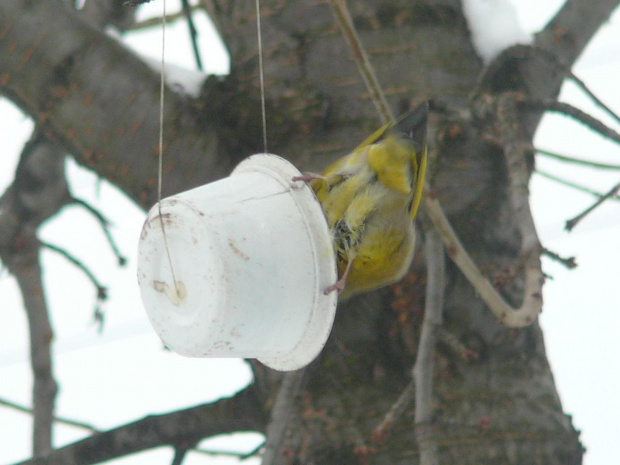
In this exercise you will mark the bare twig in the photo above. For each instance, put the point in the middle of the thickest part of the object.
(61, 420)
(420, 387)
(343, 17)
(88, 427)
(227, 453)
(425, 360)
(134, 3)
(577, 161)
(532, 304)
(567, 69)
(456, 346)
(102, 291)
(398, 408)
(193, 32)
(594, 98)
(569, 262)
(156, 21)
(240, 412)
(105, 226)
(291, 385)
(570, 224)
(573, 112)
(574, 185)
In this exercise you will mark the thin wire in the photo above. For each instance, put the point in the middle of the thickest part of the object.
(261, 75)
(162, 82)
(161, 106)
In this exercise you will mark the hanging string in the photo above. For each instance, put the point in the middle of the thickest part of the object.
(162, 76)
(162, 83)
(261, 75)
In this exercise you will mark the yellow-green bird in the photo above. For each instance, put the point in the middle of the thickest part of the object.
(370, 198)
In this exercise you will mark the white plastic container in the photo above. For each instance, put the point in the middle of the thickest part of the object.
(251, 255)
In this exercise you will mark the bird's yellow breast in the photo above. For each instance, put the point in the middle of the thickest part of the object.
(370, 198)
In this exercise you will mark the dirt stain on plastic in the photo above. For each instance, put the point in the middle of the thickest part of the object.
(177, 294)
(238, 252)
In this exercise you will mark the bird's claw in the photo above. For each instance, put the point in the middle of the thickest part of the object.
(337, 286)
(307, 177)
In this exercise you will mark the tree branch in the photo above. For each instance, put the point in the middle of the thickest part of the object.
(287, 394)
(570, 30)
(102, 292)
(421, 386)
(106, 116)
(87, 426)
(455, 345)
(398, 408)
(573, 185)
(532, 304)
(193, 32)
(135, 3)
(425, 361)
(27, 271)
(38, 192)
(179, 454)
(241, 412)
(570, 224)
(105, 224)
(531, 71)
(573, 112)
(593, 97)
(57, 419)
(576, 161)
(101, 13)
(156, 22)
(365, 68)
(569, 262)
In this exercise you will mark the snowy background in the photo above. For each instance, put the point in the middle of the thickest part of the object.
(581, 314)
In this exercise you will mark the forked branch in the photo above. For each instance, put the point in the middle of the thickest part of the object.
(532, 302)
(514, 150)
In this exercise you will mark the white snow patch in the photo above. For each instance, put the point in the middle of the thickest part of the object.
(494, 26)
(188, 81)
